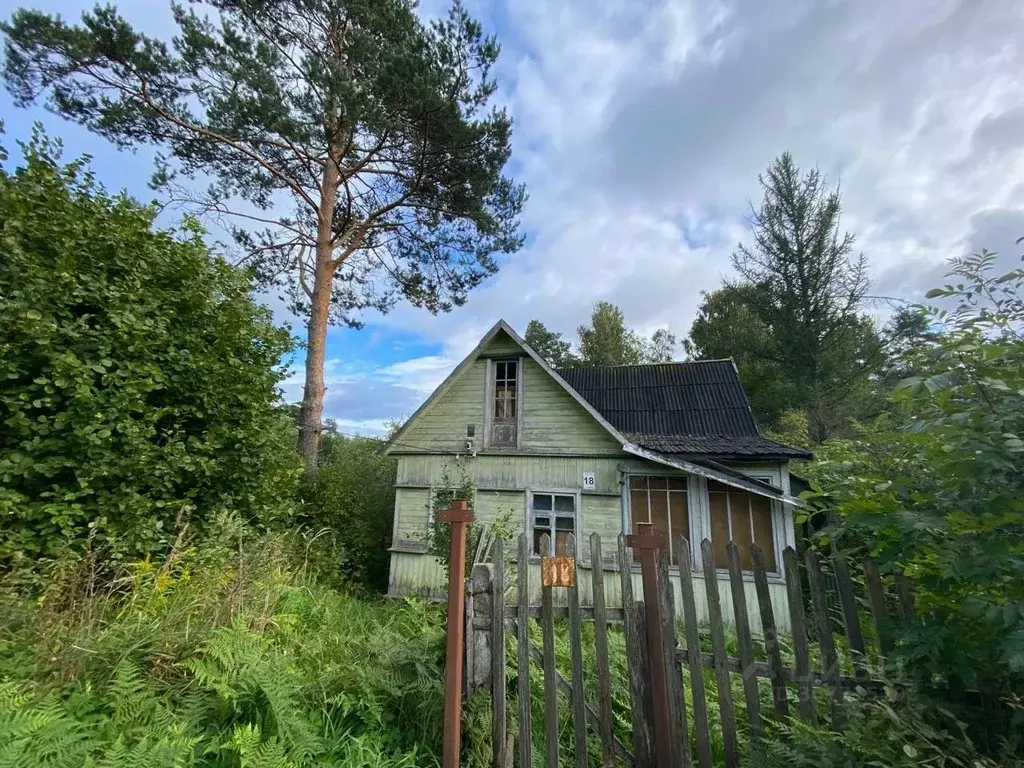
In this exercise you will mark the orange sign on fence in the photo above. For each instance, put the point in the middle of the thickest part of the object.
(558, 571)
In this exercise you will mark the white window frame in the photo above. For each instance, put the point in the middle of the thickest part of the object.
(577, 496)
(691, 488)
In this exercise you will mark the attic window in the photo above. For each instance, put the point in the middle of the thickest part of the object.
(505, 405)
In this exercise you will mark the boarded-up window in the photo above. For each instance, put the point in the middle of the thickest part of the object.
(745, 518)
(661, 501)
(553, 514)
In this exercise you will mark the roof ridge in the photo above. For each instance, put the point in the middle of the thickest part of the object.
(642, 365)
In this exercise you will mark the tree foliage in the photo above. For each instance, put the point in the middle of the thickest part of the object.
(794, 318)
(351, 501)
(606, 340)
(933, 488)
(548, 344)
(138, 378)
(374, 125)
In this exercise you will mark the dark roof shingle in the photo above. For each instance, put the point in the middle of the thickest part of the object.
(694, 408)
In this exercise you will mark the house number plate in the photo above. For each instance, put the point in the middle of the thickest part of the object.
(558, 571)
(589, 481)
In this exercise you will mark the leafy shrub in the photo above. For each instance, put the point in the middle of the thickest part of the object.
(138, 378)
(350, 505)
(934, 490)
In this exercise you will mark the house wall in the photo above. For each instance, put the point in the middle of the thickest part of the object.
(552, 421)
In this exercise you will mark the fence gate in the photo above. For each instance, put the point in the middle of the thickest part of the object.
(662, 649)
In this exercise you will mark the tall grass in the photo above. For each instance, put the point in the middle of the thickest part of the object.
(225, 654)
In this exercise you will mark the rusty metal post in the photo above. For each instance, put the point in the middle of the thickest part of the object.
(648, 543)
(459, 516)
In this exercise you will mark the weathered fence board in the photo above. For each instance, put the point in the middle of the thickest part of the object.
(746, 645)
(728, 719)
(679, 647)
(823, 622)
(579, 714)
(604, 683)
(801, 645)
(700, 707)
(523, 636)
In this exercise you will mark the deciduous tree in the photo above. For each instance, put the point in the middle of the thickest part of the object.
(373, 126)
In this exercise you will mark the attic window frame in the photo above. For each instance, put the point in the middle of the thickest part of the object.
(490, 402)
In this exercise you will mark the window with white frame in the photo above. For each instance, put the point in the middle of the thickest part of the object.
(745, 518)
(553, 514)
(662, 502)
(504, 403)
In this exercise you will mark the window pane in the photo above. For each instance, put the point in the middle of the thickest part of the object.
(564, 523)
(542, 522)
(659, 511)
(762, 514)
(677, 483)
(740, 504)
(638, 508)
(542, 502)
(637, 482)
(719, 526)
(714, 485)
(680, 515)
(565, 503)
(657, 482)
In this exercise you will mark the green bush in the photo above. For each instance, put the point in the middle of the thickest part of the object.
(350, 510)
(138, 378)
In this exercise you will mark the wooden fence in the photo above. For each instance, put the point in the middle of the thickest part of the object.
(661, 641)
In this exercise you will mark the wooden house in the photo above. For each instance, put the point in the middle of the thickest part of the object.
(595, 449)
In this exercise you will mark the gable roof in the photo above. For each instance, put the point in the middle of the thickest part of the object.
(697, 409)
(618, 378)
(499, 327)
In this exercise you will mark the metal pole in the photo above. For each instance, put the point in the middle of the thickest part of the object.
(459, 516)
(648, 543)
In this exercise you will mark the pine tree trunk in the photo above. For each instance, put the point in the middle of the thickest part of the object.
(312, 411)
(311, 414)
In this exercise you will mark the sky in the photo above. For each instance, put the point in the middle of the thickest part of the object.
(640, 130)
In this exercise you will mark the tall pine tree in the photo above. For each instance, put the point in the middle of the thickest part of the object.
(375, 129)
(807, 287)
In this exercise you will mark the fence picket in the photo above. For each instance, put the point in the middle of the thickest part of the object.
(523, 636)
(829, 657)
(876, 599)
(604, 683)
(547, 623)
(640, 686)
(729, 743)
(680, 733)
(906, 599)
(498, 716)
(777, 673)
(801, 648)
(636, 644)
(746, 647)
(700, 707)
(579, 712)
(851, 617)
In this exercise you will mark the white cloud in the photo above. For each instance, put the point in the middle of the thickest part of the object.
(641, 128)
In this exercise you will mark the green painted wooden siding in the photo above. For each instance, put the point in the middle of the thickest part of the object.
(412, 512)
(511, 471)
(554, 422)
(489, 504)
(443, 426)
